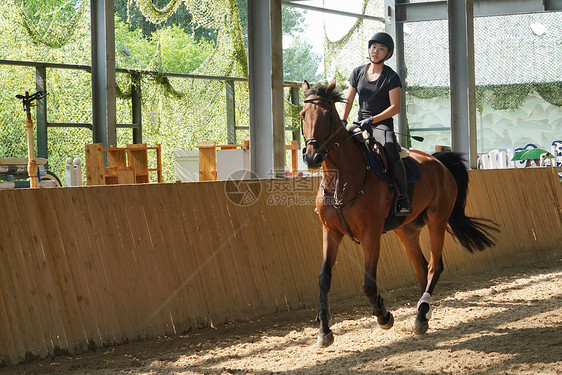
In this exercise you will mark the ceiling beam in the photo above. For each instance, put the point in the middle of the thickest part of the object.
(437, 10)
(295, 4)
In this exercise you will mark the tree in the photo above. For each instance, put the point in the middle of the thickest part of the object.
(181, 19)
(300, 62)
(169, 48)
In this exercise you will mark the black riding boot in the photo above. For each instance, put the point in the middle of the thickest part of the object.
(403, 206)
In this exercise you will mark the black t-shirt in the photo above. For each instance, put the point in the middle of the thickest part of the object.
(373, 96)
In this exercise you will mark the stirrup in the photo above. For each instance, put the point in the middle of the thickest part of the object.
(403, 206)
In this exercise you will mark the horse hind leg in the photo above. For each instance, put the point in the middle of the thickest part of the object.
(435, 267)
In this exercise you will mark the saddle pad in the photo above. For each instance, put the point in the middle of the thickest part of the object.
(412, 171)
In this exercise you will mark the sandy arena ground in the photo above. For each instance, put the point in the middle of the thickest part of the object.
(508, 321)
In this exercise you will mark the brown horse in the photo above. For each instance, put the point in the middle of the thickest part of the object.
(356, 202)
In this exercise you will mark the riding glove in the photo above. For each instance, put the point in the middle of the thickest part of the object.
(366, 124)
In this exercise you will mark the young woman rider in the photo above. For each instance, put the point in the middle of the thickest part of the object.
(379, 88)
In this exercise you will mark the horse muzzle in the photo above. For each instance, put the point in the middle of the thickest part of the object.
(313, 159)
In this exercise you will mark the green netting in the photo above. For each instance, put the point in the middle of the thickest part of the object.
(550, 92)
(50, 22)
(499, 97)
(154, 14)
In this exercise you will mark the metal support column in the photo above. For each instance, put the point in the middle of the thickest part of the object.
(277, 95)
(230, 112)
(472, 128)
(104, 116)
(41, 121)
(136, 106)
(295, 100)
(461, 122)
(396, 30)
(266, 142)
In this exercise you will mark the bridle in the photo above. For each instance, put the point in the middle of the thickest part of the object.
(325, 149)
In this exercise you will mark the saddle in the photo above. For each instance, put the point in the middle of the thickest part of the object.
(375, 156)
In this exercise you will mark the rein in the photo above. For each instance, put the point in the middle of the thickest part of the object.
(334, 199)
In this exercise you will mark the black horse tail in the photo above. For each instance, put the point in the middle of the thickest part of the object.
(473, 233)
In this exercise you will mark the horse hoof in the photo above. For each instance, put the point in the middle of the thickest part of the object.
(389, 322)
(421, 327)
(325, 339)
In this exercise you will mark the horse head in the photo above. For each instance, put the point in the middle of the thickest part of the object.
(320, 122)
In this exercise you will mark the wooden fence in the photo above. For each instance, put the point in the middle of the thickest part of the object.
(83, 267)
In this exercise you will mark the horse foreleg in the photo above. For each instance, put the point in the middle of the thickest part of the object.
(331, 242)
(372, 250)
(434, 270)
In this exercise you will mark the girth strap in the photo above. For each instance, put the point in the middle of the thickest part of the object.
(338, 209)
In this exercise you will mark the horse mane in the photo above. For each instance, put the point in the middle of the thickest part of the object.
(329, 92)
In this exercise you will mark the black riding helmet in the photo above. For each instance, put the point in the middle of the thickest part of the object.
(383, 38)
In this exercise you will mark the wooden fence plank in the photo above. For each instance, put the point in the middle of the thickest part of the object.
(13, 347)
(129, 299)
(188, 302)
(229, 255)
(72, 242)
(43, 225)
(164, 263)
(198, 303)
(209, 246)
(104, 239)
(269, 258)
(144, 253)
(203, 247)
(90, 266)
(24, 301)
(66, 294)
(257, 282)
(47, 298)
(220, 247)
(79, 249)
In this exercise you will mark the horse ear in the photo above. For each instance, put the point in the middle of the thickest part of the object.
(332, 85)
(305, 86)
